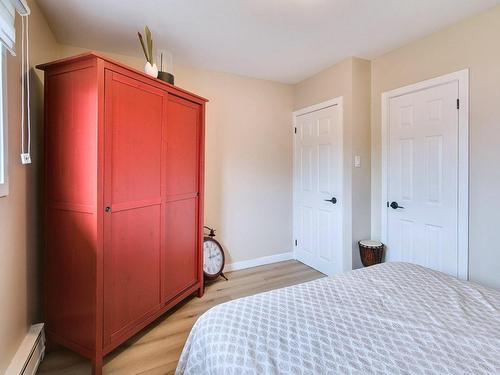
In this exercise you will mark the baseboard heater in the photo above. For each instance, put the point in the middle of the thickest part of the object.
(30, 353)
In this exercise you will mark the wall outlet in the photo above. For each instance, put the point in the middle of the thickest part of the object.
(26, 158)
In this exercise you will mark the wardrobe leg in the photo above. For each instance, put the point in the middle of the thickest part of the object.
(201, 291)
(97, 366)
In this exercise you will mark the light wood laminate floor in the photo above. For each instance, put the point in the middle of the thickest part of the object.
(156, 349)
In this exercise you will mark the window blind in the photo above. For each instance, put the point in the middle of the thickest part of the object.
(8, 10)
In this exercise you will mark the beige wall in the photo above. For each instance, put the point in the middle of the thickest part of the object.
(330, 83)
(349, 79)
(471, 44)
(248, 161)
(361, 184)
(20, 211)
(248, 158)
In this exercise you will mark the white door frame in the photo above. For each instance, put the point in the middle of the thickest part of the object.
(346, 204)
(462, 77)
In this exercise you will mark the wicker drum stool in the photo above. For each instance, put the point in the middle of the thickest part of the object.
(372, 252)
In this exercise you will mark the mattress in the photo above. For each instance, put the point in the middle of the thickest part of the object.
(393, 318)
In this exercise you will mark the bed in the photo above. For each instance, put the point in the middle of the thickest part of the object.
(393, 318)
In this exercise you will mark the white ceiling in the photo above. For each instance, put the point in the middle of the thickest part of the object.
(280, 40)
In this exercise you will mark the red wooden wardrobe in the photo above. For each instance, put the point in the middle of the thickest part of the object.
(123, 201)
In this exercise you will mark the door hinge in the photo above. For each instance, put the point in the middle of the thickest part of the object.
(296, 242)
(295, 130)
(458, 103)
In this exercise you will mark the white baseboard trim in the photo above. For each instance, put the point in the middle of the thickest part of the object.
(30, 353)
(258, 261)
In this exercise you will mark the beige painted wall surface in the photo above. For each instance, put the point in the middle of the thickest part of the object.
(248, 191)
(249, 164)
(361, 184)
(350, 79)
(470, 44)
(330, 83)
(20, 211)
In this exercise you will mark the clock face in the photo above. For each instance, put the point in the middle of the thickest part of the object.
(213, 259)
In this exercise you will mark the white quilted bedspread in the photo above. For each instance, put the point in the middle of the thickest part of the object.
(394, 318)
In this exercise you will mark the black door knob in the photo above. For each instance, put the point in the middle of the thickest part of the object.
(395, 205)
(107, 209)
(332, 201)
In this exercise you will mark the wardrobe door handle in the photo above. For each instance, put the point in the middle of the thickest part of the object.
(107, 209)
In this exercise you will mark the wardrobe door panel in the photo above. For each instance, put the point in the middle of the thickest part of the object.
(182, 257)
(136, 137)
(183, 122)
(182, 184)
(132, 275)
(134, 113)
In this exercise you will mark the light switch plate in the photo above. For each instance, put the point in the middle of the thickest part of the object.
(26, 158)
(357, 161)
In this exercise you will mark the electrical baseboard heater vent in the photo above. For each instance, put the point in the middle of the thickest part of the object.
(30, 353)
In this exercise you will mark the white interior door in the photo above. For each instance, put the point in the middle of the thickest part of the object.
(318, 189)
(422, 186)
